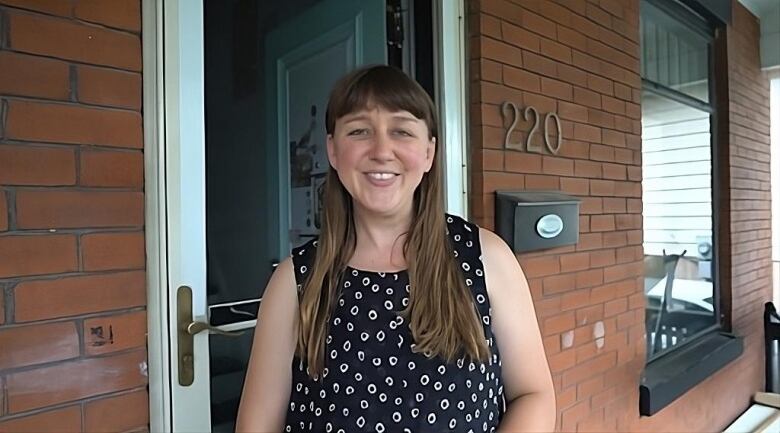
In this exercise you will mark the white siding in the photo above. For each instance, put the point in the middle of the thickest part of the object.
(677, 176)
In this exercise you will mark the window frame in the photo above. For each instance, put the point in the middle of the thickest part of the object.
(673, 372)
(695, 22)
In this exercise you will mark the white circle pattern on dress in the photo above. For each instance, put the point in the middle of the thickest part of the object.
(399, 388)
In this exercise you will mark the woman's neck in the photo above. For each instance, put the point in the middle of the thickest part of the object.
(380, 240)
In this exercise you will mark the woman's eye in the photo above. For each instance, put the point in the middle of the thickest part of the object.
(361, 131)
(404, 133)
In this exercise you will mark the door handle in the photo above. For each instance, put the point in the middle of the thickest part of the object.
(196, 327)
(186, 328)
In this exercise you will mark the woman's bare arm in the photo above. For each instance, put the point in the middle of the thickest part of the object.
(269, 374)
(528, 386)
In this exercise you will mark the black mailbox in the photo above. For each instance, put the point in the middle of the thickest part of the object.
(536, 220)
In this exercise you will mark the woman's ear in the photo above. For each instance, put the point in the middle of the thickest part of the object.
(430, 154)
(331, 146)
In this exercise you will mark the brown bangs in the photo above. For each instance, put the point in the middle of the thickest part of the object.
(383, 86)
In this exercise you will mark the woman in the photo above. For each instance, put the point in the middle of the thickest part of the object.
(399, 317)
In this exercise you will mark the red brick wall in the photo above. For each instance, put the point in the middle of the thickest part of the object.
(580, 58)
(72, 278)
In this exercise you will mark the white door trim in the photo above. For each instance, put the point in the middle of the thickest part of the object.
(451, 81)
(155, 197)
(451, 84)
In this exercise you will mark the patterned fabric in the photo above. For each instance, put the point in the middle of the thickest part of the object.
(373, 380)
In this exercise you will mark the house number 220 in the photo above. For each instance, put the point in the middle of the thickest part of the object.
(506, 107)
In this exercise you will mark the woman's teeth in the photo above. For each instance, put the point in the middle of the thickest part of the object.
(381, 176)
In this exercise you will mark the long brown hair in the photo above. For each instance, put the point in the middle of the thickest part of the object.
(442, 315)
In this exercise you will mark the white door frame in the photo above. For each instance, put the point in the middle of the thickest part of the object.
(161, 54)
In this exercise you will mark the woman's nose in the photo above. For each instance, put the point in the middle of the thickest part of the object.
(382, 148)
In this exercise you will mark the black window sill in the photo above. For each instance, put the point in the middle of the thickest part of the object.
(667, 378)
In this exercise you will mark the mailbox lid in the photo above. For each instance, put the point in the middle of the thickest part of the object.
(536, 198)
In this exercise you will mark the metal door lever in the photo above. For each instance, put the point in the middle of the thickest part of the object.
(196, 327)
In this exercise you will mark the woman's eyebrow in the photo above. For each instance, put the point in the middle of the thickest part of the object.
(354, 117)
(405, 118)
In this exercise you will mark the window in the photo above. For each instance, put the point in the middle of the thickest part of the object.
(685, 342)
(678, 179)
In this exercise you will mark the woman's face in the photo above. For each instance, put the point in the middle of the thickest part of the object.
(380, 157)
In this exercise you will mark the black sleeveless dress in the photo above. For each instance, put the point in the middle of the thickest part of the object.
(373, 381)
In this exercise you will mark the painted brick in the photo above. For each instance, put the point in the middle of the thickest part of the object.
(75, 380)
(123, 14)
(70, 296)
(70, 40)
(125, 412)
(65, 420)
(37, 255)
(38, 344)
(113, 251)
(112, 169)
(66, 123)
(32, 76)
(109, 87)
(114, 333)
(71, 209)
(28, 165)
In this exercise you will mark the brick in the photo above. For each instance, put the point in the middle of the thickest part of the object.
(66, 123)
(587, 316)
(570, 111)
(70, 40)
(72, 209)
(613, 105)
(590, 368)
(571, 75)
(559, 283)
(500, 52)
(114, 333)
(71, 296)
(124, 14)
(575, 262)
(599, 152)
(562, 361)
(496, 181)
(2, 321)
(112, 169)
(492, 160)
(540, 266)
(109, 87)
(622, 92)
(600, 84)
(556, 51)
(113, 251)
(575, 299)
(589, 278)
(543, 104)
(587, 97)
(587, 169)
(539, 25)
(541, 65)
(3, 211)
(37, 165)
(572, 38)
(558, 324)
(521, 79)
(575, 186)
(591, 205)
(490, 26)
(602, 258)
(570, 416)
(538, 181)
(519, 37)
(522, 162)
(601, 119)
(602, 223)
(54, 7)
(614, 205)
(31, 76)
(615, 307)
(65, 420)
(557, 89)
(587, 133)
(37, 255)
(557, 166)
(602, 187)
(614, 171)
(38, 344)
(75, 380)
(124, 412)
